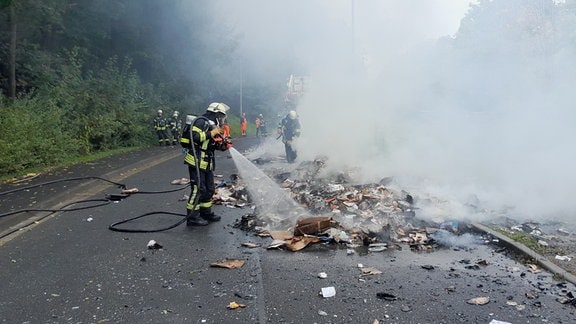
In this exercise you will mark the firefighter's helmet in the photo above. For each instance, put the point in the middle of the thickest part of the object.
(292, 114)
(159, 111)
(218, 107)
(176, 113)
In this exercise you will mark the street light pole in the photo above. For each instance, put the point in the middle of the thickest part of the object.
(241, 90)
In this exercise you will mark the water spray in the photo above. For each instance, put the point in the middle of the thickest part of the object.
(274, 204)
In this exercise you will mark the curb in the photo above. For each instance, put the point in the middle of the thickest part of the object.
(541, 260)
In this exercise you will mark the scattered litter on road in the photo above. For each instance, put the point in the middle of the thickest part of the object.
(153, 245)
(478, 301)
(563, 258)
(130, 191)
(181, 181)
(229, 264)
(235, 305)
(322, 275)
(251, 245)
(498, 322)
(370, 271)
(328, 292)
(386, 296)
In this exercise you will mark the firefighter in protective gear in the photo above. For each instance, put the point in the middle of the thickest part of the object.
(200, 139)
(260, 126)
(160, 126)
(175, 127)
(288, 129)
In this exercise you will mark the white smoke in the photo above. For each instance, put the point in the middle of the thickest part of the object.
(398, 91)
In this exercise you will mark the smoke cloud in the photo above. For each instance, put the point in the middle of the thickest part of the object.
(478, 113)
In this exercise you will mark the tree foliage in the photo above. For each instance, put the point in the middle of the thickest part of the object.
(79, 76)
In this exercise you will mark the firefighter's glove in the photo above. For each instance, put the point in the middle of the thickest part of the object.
(215, 132)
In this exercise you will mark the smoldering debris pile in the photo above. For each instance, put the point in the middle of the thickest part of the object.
(341, 211)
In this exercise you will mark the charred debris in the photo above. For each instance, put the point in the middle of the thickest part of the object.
(371, 217)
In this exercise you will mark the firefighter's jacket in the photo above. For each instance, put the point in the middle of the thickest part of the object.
(289, 128)
(176, 124)
(204, 145)
(160, 123)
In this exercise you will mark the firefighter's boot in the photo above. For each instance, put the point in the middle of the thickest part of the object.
(193, 219)
(208, 215)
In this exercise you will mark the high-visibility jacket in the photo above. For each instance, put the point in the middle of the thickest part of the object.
(226, 128)
(198, 134)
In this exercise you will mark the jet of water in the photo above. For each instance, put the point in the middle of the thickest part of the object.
(274, 204)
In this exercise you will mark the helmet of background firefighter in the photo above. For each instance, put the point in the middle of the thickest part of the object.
(176, 113)
(190, 119)
(159, 112)
(292, 114)
(218, 107)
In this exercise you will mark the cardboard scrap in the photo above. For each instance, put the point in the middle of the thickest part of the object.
(300, 242)
(229, 264)
(281, 235)
(313, 225)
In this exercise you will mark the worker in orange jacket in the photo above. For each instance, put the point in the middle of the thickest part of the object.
(243, 124)
(226, 128)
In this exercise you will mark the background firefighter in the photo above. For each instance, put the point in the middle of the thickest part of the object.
(201, 137)
(160, 126)
(175, 127)
(260, 126)
(288, 129)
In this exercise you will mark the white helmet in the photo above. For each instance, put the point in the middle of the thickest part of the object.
(190, 119)
(292, 114)
(176, 113)
(218, 107)
(160, 111)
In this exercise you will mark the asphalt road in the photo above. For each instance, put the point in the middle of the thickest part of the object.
(69, 267)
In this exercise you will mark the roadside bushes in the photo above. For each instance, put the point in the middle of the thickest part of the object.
(33, 135)
(81, 114)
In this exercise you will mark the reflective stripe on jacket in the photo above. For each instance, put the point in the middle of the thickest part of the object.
(201, 141)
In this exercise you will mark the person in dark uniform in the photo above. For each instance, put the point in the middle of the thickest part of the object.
(288, 129)
(160, 126)
(201, 137)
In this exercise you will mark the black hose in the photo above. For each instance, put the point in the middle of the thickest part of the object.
(112, 227)
(103, 202)
(196, 164)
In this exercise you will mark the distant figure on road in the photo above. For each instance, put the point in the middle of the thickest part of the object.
(160, 126)
(226, 128)
(201, 137)
(260, 126)
(243, 124)
(288, 129)
(175, 127)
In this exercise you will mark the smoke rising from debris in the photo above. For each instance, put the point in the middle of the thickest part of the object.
(477, 111)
